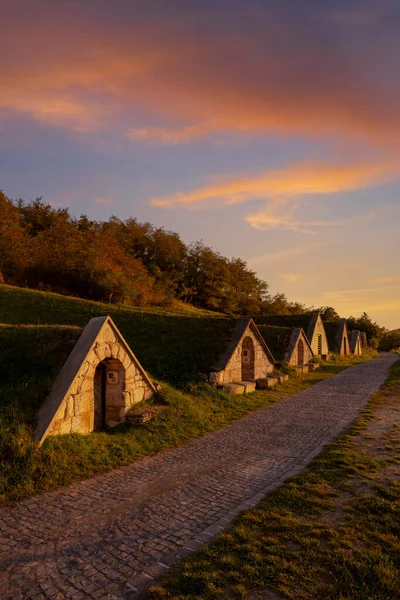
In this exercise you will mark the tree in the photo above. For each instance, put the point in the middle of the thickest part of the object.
(371, 328)
(390, 341)
(328, 313)
(14, 247)
(38, 216)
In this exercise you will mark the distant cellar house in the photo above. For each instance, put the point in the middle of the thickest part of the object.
(99, 383)
(355, 342)
(311, 323)
(338, 337)
(246, 357)
(289, 344)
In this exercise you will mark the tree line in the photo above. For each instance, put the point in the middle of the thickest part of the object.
(128, 262)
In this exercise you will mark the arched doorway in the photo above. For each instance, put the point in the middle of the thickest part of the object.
(247, 359)
(109, 393)
(300, 353)
(345, 346)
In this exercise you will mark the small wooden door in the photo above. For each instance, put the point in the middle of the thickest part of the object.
(100, 397)
(247, 359)
(300, 353)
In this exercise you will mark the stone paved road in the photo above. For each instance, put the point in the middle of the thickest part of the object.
(110, 536)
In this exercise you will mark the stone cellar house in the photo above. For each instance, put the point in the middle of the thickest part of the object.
(356, 342)
(99, 383)
(364, 340)
(311, 323)
(246, 357)
(289, 344)
(338, 337)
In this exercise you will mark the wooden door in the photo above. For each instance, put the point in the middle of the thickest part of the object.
(247, 359)
(100, 397)
(300, 353)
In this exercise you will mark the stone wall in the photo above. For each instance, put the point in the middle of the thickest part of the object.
(308, 355)
(319, 330)
(345, 349)
(76, 413)
(233, 369)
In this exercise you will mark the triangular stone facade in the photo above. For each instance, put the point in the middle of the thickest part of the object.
(342, 339)
(299, 351)
(99, 383)
(355, 342)
(316, 335)
(246, 358)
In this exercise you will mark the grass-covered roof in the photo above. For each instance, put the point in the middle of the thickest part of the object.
(301, 320)
(30, 358)
(333, 332)
(277, 339)
(175, 346)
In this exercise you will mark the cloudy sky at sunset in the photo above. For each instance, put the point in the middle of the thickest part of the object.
(270, 129)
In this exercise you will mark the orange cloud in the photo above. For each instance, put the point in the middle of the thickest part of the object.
(279, 255)
(394, 279)
(284, 189)
(158, 135)
(294, 181)
(98, 75)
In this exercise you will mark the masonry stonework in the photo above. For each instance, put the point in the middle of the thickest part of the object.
(294, 357)
(318, 344)
(233, 369)
(105, 387)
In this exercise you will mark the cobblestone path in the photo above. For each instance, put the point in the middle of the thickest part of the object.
(110, 536)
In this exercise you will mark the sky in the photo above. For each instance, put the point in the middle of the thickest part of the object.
(269, 129)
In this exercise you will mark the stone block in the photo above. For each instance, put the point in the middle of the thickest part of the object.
(234, 388)
(130, 370)
(262, 383)
(138, 417)
(127, 399)
(69, 407)
(272, 381)
(249, 386)
(313, 366)
(283, 378)
(299, 370)
(114, 350)
(126, 361)
(138, 394)
(148, 393)
(304, 369)
(64, 427)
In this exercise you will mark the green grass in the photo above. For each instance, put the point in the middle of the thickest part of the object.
(173, 345)
(331, 532)
(38, 332)
(26, 470)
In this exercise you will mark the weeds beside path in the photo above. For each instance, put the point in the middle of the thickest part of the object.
(110, 536)
(26, 470)
(331, 532)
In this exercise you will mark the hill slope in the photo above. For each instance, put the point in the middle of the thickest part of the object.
(174, 345)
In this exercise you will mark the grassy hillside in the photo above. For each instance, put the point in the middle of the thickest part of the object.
(30, 307)
(30, 359)
(37, 333)
(174, 345)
